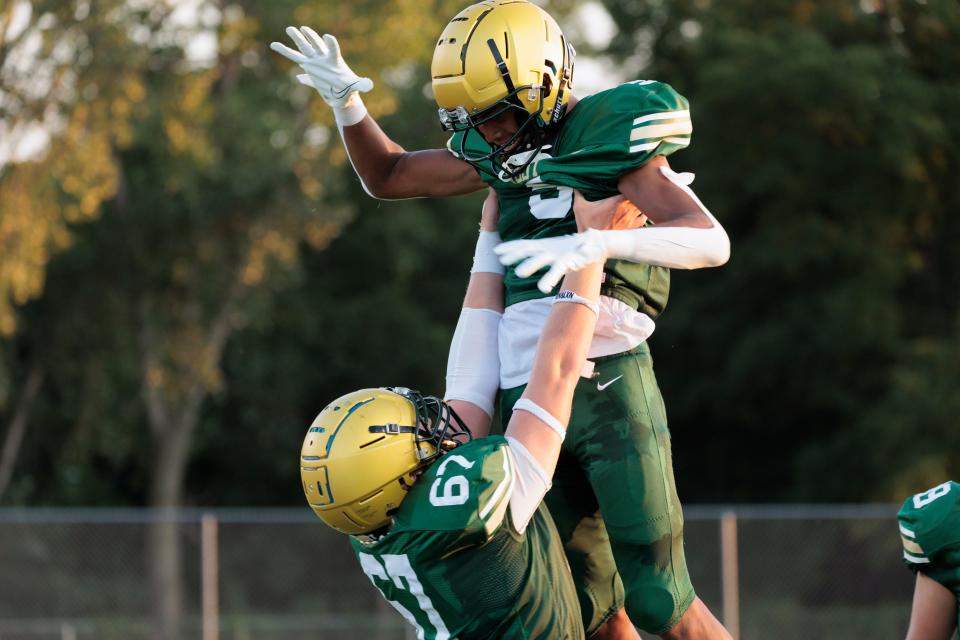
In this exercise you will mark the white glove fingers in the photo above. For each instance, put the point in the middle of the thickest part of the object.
(511, 248)
(288, 53)
(531, 265)
(554, 275)
(332, 45)
(301, 42)
(315, 40)
(514, 255)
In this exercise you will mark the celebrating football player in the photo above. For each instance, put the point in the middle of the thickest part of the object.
(450, 528)
(502, 73)
(930, 532)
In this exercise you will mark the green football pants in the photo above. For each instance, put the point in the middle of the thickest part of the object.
(616, 461)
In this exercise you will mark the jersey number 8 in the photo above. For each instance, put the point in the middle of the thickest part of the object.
(923, 499)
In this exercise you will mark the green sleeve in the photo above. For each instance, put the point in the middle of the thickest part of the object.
(463, 498)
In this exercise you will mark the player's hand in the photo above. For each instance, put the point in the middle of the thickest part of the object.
(562, 255)
(615, 212)
(324, 66)
(490, 214)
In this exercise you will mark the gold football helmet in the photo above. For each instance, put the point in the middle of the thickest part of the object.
(500, 55)
(362, 453)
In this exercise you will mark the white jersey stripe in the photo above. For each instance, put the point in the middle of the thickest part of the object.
(915, 559)
(663, 115)
(646, 146)
(907, 532)
(662, 130)
(683, 141)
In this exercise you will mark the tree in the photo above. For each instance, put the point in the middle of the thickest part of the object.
(826, 141)
(214, 173)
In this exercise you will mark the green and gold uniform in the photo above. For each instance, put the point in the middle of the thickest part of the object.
(455, 566)
(616, 456)
(930, 532)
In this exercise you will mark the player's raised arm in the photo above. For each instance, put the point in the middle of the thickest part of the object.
(473, 365)
(539, 421)
(385, 168)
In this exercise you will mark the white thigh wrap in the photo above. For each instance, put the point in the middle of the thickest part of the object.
(528, 405)
(473, 366)
(530, 484)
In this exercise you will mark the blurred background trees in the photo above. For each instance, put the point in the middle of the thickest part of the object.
(189, 269)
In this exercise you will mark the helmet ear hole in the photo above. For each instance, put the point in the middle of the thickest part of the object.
(547, 84)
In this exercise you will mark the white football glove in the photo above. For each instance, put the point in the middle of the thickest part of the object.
(562, 254)
(326, 72)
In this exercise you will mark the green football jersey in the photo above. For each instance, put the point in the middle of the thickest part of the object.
(930, 531)
(454, 565)
(603, 137)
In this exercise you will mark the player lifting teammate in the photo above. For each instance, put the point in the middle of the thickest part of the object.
(451, 529)
(502, 75)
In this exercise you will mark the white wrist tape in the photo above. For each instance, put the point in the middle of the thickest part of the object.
(569, 296)
(673, 247)
(484, 259)
(352, 112)
(528, 405)
(473, 365)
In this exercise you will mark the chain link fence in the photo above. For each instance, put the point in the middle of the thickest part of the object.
(265, 574)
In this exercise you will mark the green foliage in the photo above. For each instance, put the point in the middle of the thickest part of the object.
(831, 158)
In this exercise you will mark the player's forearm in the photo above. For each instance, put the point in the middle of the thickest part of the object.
(565, 341)
(540, 417)
(389, 172)
(374, 155)
(674, 247)
(686, 235)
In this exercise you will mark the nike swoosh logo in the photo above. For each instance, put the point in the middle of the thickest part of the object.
(345, 90)
(601, 387)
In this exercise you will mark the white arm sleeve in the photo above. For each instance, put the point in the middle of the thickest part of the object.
(485, 259)
(473, 366)
(530, 484)
(673, 247)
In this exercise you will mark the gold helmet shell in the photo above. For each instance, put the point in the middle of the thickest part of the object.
(362, 453)
(499, 52)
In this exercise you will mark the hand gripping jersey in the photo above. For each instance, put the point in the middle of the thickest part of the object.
(930, 532)
(603, 137)
(454, 565)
